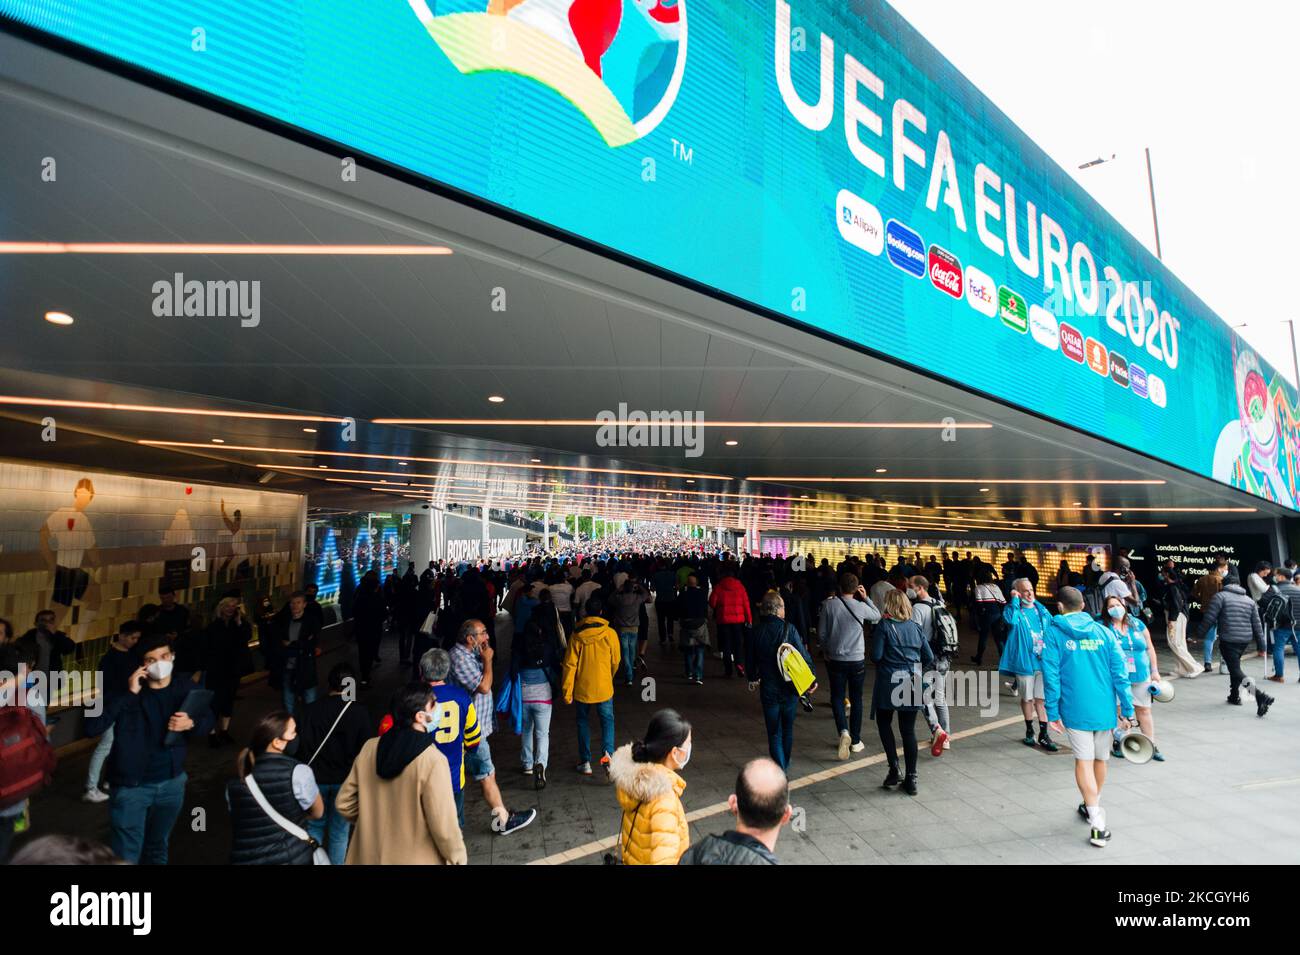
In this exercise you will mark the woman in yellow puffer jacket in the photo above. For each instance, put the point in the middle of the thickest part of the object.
(654, 830)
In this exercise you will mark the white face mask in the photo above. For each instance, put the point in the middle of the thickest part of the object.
(683, 760)
(431, 721)
(160, 669)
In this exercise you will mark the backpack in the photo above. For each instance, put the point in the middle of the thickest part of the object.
(1093, 602)
(1275, 610)
(26, 757)
(943, 631)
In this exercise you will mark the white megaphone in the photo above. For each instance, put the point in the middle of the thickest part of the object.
(1162, 690)
(1136, 747)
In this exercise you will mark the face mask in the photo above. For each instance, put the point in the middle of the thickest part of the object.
(291, 747)
(160, 669)
(1223, 572)
(911, 593)
(1116, 613)
(431, 726)
(681, 763)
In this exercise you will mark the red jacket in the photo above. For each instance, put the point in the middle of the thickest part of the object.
(730, 602)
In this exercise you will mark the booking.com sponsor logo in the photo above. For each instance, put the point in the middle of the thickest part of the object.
(906, 250)
(1044, 328)
(860, 223)
(945, 272)
(981, 293)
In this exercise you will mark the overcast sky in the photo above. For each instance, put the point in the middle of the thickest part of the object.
(1210, 87)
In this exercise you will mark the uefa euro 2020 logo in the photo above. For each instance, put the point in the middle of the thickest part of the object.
(618, 62)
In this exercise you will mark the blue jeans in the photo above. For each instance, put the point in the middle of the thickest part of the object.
(537, 721)
(331, 830)
(695, 662)
(779, 714)
(308, 695)
(1281, 637)
(606, 712)
(460, 806)
(1209, 644)
(97, 759)
(142, 818)
(627, 646)
(847, 679)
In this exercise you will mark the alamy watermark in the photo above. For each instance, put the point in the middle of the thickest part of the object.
(181, 298)
(652, 429)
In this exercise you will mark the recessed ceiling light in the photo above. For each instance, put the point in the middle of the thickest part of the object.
(218, 440)
(322, 466)
(1077, 504)
(1119, 513)
(534, 460)
(690, 480)
(401, 464)
(983, 490)
(309, 430)
(58, 318)
(881, 470)
(732, 443)
(495, 399)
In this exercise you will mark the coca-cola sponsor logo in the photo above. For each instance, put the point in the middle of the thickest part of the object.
(1072, 343)
(945, 272)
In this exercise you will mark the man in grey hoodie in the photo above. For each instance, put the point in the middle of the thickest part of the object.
(1237, 618)
(840, 627)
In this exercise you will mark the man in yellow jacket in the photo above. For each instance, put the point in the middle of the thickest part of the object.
(590, 662)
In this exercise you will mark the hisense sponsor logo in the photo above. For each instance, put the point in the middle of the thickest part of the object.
(1043, 326)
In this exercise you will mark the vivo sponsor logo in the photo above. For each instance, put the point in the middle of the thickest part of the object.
(179, 298)
(945, 271)
(1137, 380)
(1156, 390)
(860, 223)
(906, 250)
(1043, 326)
(76, 908)
(981, 292)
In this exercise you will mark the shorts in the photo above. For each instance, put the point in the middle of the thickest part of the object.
(478, 761)
(1141, 693)
(1030, 688)
(70, 584)
(1090, 744)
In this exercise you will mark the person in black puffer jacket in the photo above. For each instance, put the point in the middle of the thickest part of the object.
(1237, 618)
(288, 785)
(761, 805)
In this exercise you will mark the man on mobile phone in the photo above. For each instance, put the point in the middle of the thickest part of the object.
(147, 774)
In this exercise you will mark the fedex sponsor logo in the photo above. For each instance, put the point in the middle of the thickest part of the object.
(945, 272)
(1098, 357)
(1119, 369)
(1044, 328)
(1156, 389)
(1072, 343)
(1137, 380)
(860, 223)
(906, 250)
(981, 293)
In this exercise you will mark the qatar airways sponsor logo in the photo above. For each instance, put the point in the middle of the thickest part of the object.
(1072, 343)
(860, 223)
(981, 292)
(1043, 326)
(906, 250)
(945, 272)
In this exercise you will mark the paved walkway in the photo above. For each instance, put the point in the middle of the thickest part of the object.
(1225, 794)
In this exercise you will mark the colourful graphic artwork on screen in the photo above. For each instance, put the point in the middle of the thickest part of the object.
(619, 62)
(1259, 450)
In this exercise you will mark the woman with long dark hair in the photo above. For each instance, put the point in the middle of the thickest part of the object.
(267, 768)
(645, 775)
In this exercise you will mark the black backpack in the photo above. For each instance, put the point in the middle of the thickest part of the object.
(1275, 610)
(1094, 603)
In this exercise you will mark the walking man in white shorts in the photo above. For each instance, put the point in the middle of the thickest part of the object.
(1084, 672)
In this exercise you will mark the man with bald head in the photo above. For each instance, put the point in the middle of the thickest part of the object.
(761, 805)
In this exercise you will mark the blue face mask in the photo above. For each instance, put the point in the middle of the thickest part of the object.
(1116, 613)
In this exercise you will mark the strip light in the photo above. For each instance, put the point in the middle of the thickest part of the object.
(211, 248)
(160, 409)
(596, 423)
(933, 480)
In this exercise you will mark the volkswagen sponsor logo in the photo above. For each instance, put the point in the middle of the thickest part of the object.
(860, 223)
(1044, 328)
(1156, 390)
(945, 272)
(906, 250)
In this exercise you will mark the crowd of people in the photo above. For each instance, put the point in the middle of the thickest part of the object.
(318, 779)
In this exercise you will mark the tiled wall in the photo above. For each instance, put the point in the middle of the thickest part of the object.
(117, 543)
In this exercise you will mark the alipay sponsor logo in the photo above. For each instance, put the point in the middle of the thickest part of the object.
(860, 223)
(981, 292)
(945, 272)
(1043, 326)
(906, 250)
(1137, 380)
